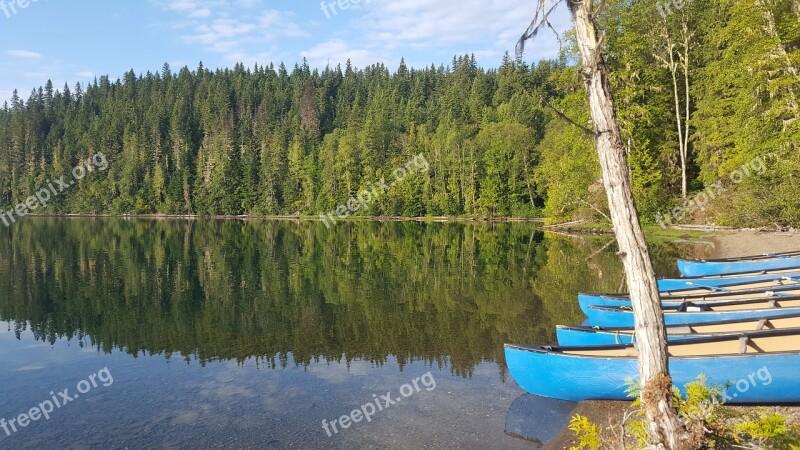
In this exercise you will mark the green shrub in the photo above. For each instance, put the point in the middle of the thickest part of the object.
(588, 433)
(702, 410)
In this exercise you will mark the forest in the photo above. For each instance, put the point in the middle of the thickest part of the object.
(702, 87)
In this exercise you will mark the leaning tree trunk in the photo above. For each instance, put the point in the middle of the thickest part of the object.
(664, 427)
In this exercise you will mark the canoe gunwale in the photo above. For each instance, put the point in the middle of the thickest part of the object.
(562, 351)
(690, 268)
(782, 255)
(714, 304)
(723, 276)
(672, 310)
(712, 295)
(719, 322)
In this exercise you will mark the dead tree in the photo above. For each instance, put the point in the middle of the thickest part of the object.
(665, 428)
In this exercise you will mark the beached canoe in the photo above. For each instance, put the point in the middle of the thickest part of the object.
(603, 316)
(763, 367)
(593, 336)
(682, 286)
(674, 302)
(703, 268)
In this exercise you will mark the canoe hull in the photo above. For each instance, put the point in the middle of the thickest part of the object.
(585, 301)
(681, 284)
(758, 379)
(614, 317)
(710, 268)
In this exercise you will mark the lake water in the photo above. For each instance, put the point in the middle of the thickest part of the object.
(228, 334)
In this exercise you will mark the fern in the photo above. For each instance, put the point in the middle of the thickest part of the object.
(588, 433)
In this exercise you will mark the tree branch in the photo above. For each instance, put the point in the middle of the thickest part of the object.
(539, 21)
(560, 114)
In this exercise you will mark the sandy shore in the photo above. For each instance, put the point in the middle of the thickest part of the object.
(724, 245)
(745, 243)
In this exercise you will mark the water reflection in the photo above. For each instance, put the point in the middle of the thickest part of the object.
(538, 419)
(248, 334)
(215, 290)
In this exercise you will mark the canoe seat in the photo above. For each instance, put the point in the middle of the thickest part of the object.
(765, 323)
(679, 330)
(745, 342)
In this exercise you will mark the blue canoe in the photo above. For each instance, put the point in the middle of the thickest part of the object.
(710, 267)
(569, 336)
(624, 300)
(721, 283)
(604, 316)
(764, 368)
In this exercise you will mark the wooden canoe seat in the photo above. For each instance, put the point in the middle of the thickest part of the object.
(746, 343)
(679, 330)
(765, 324)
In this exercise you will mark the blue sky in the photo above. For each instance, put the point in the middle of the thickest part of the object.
(76, 40)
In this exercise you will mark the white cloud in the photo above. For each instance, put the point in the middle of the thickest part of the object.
(23, 54)
(337, 51)
(200, 13)
(422, 31)
(239, 30)
(279, 24)
(219, 35)
(431, 24)
(85, 74)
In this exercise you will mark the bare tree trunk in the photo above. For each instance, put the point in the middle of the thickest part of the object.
(669, 61)
(665, 428)
(680, 124)
(687, 39)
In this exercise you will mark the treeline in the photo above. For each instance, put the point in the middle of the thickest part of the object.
(270, 141)
(702, 87)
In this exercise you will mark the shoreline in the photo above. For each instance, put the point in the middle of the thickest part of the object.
(298, 218)
(574, 227)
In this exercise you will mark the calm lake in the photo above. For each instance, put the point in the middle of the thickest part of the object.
(228, 334)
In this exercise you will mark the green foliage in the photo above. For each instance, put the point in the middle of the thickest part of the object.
(767, 430)
(267, 140)
(277, 140)
(569, 171)
(702, 411)
(700, 400)
(748, 91)
(588, 433)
